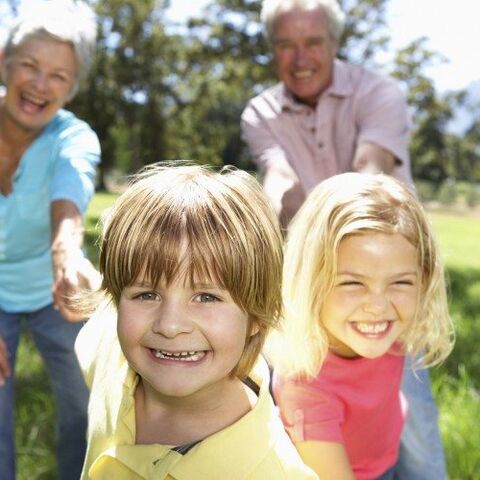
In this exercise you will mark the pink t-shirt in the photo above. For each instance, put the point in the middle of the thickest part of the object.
(356, 402)
(310, 145)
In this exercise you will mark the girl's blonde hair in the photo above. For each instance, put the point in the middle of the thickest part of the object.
(343, 205)
(230, 229)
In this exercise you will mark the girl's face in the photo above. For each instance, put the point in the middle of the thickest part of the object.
(183, 340)
(39, 76)
(374, 297)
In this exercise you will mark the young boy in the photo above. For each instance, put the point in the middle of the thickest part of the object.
(191, 261)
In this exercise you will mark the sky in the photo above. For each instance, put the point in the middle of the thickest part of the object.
(452, 32)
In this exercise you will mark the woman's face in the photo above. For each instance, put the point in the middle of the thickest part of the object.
(39, 76)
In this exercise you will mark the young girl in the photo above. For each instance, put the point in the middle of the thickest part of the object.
(363, 286)
(191, 261)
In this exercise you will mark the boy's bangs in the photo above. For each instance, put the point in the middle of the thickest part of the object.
(197, 250)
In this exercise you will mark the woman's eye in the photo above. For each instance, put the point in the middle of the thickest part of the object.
(404, 282)
(27, 65)
(206, 298)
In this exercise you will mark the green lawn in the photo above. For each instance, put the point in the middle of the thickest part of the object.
(456, 383)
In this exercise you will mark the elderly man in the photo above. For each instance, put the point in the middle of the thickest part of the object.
(326, 117)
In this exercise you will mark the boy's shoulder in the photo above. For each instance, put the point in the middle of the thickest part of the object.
(254, 447)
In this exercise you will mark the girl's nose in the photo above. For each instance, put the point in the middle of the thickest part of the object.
(375, 304)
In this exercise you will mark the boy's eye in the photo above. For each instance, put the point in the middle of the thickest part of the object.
(206, 298)
(147, 296)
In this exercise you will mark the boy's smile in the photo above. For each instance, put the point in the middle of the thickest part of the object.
(183, 341)
(374, 297)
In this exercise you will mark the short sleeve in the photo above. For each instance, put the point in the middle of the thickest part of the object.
(383, 119)
(96, 334)
(309, 412)
(77, 156)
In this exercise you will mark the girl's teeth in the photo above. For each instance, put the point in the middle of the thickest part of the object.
(372, 327)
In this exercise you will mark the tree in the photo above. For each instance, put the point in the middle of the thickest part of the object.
(433, 148)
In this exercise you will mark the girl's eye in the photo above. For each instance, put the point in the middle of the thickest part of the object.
(348, 283)
(404, 282)
(206, 298)
(147, 296)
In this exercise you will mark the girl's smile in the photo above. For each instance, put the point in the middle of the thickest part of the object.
(374, 297)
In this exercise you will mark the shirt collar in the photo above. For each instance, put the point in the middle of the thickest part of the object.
(253, 435)
(340, 87)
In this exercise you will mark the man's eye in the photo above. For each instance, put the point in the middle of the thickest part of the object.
(283, 46)
(61, 78)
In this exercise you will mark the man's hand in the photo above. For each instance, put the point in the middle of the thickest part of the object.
(370, 158)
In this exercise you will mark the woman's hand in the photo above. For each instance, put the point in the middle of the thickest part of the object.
(5, 371)
(73, 274)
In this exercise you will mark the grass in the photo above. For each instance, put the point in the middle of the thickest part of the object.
(456, 384)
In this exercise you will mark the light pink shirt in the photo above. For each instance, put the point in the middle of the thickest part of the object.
(311, 145)
(356, 402)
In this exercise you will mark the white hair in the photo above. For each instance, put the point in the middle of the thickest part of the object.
(71, 21)
(271, 9)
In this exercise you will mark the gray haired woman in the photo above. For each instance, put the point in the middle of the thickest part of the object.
(48, 159)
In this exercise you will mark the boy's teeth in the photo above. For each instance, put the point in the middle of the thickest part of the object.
(180, 356)
(372, 327)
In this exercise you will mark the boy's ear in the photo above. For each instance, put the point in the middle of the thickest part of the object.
(253, 327)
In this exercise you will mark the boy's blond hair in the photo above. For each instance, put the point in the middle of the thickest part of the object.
(344, 205)
(230, 229)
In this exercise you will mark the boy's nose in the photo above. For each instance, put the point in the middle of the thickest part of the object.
(172, 321)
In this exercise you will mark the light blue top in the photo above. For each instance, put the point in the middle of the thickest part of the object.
(59, 164)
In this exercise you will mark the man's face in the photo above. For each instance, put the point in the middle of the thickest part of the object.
(304, 52)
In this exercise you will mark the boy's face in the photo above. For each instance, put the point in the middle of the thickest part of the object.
(374, 297)
(184, 341)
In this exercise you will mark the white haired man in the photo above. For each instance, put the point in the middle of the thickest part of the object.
(326, 117)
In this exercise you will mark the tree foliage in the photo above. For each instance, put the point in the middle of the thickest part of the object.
(161, 91)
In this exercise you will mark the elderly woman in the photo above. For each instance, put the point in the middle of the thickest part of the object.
(47, 168)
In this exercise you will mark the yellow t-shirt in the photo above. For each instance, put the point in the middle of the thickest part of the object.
(256, 447)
